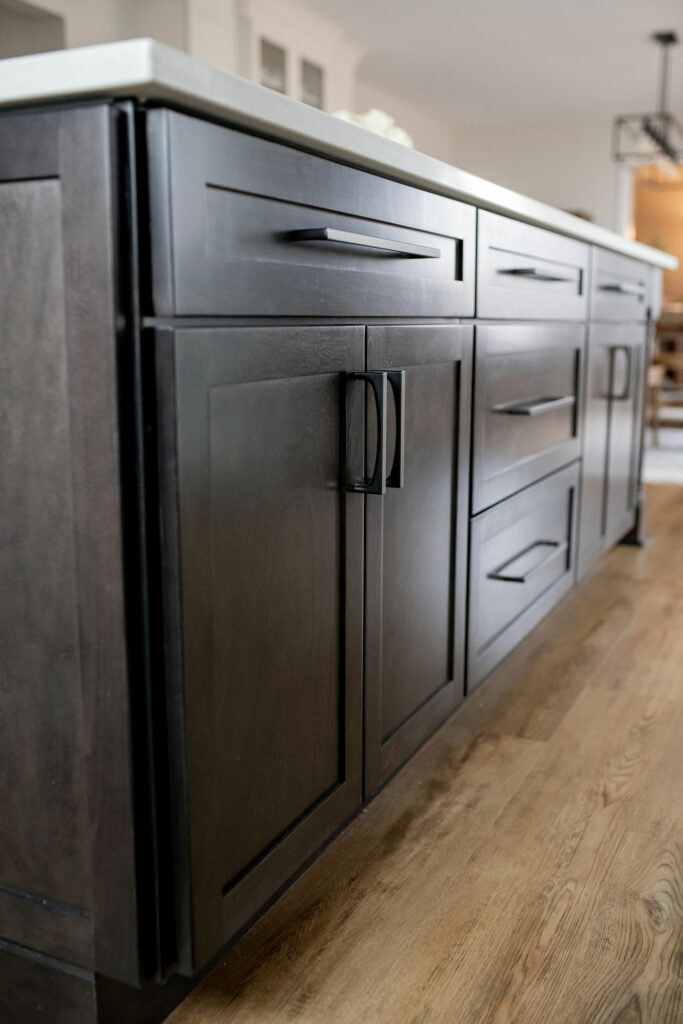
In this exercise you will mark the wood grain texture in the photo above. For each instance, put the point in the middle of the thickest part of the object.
(66, 791)
(416, 548)
(34, 991)
(43, 766)
(527, 865)
(611, 437)
(271, 679)
(513, 364)
(528, 272)
(224, 206)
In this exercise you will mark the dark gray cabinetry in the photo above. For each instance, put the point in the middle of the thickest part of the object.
(523, 559)
(263, 596)
(527, 405)
(262, 442)
(614, 391)
(236, 550)
(524, 271)
(243, 226)
(68, 863)
(416, 537)
(620, 288)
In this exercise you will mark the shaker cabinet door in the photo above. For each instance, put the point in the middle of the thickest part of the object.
(262, 594)
(595, 447)
(626, 375)
(416, 537)
(611, 434)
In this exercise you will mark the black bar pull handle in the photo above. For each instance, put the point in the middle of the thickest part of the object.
(533, 273)
(622, 288)
(625, 393)
(536, 406)
(377, 483)
(387, 245)
(397, 381)
(507, 575)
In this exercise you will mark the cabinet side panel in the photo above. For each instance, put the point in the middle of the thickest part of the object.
(35, 990)
(94, 326)
(42, 785)
(68, 828)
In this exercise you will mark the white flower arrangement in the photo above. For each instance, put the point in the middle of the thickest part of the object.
(377, 121)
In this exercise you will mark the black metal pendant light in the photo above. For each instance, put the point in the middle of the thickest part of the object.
(657, 137)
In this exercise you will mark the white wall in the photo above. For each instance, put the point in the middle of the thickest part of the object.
(304, 34)
(24, 30)
(213, 32)
(566, 165)
(89, 21)
(429, 134)
(165, 20)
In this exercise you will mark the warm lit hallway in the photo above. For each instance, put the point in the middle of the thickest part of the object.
(527, 865)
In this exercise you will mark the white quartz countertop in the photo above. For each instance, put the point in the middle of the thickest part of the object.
(149, 70)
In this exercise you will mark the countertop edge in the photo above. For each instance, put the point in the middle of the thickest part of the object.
(149, 70)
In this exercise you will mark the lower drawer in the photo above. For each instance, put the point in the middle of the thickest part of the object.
(526, 405)
(522, 560)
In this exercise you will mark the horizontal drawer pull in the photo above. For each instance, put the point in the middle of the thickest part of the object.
(532, 272)
(535, 406)
(623, 289)
(407, 249)
(556, 547)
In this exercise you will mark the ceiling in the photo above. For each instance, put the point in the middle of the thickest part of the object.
(516, 62)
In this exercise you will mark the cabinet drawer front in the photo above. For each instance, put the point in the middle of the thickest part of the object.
(244, 226)
(620, 287)
(263, 602)
(526, 406)
(524, 271)
(522, 560)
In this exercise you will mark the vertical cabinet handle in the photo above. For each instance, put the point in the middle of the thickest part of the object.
(625, 393)
(377, 483)
(397, 380)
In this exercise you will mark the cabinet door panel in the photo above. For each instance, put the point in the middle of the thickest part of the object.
(595, 441)
(625, 392)
(268, 546)
(416, 547)
(614, 383)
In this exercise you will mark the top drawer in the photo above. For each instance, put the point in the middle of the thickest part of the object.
(620, 288)
(244, 226)
(528, 272)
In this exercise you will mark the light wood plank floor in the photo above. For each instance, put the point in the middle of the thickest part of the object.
(527, 865)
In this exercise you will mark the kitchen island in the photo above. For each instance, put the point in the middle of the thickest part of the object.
(305, 431)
